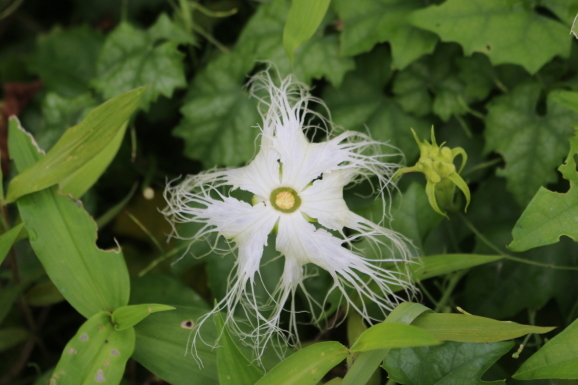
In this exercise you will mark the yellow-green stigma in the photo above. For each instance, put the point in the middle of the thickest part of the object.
(285, 199)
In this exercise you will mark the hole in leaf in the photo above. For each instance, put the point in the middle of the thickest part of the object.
(188, 324)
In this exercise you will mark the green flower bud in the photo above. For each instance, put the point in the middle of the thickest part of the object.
(437, 164)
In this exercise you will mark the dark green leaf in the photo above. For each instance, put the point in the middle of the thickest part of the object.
(11, 337)
(43, 294)
(233, 367)
(368, 22)
(130, 58)
(307, 366)
(452, 363)
(97, 353)
(506, 31)
(63, 237)
(59, 113)
(163, 347)
(219, 124)
(78, 146)
(66, 59)
(531, 144)
(557, 359)
(359, 103)
(433, 84)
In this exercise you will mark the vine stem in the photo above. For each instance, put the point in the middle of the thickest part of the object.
(454, 280)
(508, 256)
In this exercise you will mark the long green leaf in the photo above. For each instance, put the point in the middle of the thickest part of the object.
(367, 362)
(470, 328)
(436, 265)
(77, 146)
(7, 239)
(96, 354)
(233, 367)
(63, 237)
(307, 366)
(389, 335)
(303, 19)
(128, 316)
(557, 359)
(83, 178)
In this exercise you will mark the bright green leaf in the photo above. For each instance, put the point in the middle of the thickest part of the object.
(128, 316)
(506, 31)
(367, 362)
(11, 337)
(66, 59)
(557, 359)
(307, 366)
(233, 367)
(470, 328)
(550, 215)
(302, 21)
(163, 347)
(77, 183)
(452, 363)
(63, 237)
(78, 146)
(131, 58)
(388, 335)
(219, 117)
(97, 353)
(531, 144)
(368, 22)
(318, 57)
(7, 240)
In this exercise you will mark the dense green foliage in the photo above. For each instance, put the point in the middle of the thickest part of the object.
(111, 99)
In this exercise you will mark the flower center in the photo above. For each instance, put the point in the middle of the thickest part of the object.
(285, 199)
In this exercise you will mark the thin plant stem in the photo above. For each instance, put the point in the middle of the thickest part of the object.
(454, 280)
(508, 256)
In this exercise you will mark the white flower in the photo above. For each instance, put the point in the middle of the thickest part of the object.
(295, 182)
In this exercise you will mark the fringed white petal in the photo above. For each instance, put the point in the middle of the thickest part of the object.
(323, 200)
(298, 239)
(261, 176)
